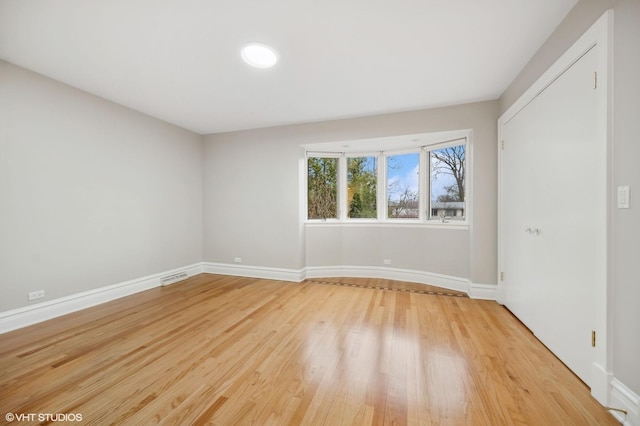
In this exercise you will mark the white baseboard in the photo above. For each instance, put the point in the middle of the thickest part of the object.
(475, 291)
(612, 393)
(624, 398)
(500, 293)
(600, 383)
(265, 272)
(439, 280)
(483, 291)
(32, 314)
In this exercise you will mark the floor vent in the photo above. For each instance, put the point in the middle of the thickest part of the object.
(170, 279)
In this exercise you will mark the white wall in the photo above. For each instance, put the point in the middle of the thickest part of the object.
(437, 251)
(91, 193)
(252, 199)
(625, 238)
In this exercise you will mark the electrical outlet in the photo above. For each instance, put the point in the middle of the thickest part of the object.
(33, 295)
(237, 259)
(386, 261)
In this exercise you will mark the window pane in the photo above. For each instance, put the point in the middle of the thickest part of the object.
(322, 188)
(362, 174)
(403, 186)
(448, 183)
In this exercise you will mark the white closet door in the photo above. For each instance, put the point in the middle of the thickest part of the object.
(518, 189)
(552, 194)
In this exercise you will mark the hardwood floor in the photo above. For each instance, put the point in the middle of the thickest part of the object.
(388, 285)
(228, 350)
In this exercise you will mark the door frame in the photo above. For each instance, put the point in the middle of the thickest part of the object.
(600, 35)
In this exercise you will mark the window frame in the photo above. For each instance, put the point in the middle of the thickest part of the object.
(435, 147)
(337, 155)
(454, 138)
(345, 173)
(385, 198)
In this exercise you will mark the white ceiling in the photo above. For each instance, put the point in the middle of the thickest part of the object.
(179, 60)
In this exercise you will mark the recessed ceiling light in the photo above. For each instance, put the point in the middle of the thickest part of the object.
(259, 55)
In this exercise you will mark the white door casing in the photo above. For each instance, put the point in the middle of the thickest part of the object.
(553, 207)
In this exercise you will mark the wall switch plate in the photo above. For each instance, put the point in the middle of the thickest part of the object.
(386, 261)
(623, 197)
(237, 259)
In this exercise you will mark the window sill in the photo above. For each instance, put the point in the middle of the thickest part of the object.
(434, 224)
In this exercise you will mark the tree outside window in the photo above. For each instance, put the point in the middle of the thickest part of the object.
(403, 172)
(344, 186)
(362, 185)
(448, 182)
(322, 188)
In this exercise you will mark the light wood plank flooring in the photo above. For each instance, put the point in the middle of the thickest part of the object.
(228, 350)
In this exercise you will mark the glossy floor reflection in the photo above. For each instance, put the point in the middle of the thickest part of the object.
(229, 350)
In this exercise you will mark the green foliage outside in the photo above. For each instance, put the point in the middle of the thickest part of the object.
(322, 188)
(362, 187)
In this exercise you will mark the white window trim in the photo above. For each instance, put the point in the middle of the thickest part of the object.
(435, 141)
(391, 153)
(311, 154)
(446, 144)
(344, 185)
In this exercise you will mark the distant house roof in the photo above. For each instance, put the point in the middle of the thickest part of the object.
(412, 204)
(447, 205)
